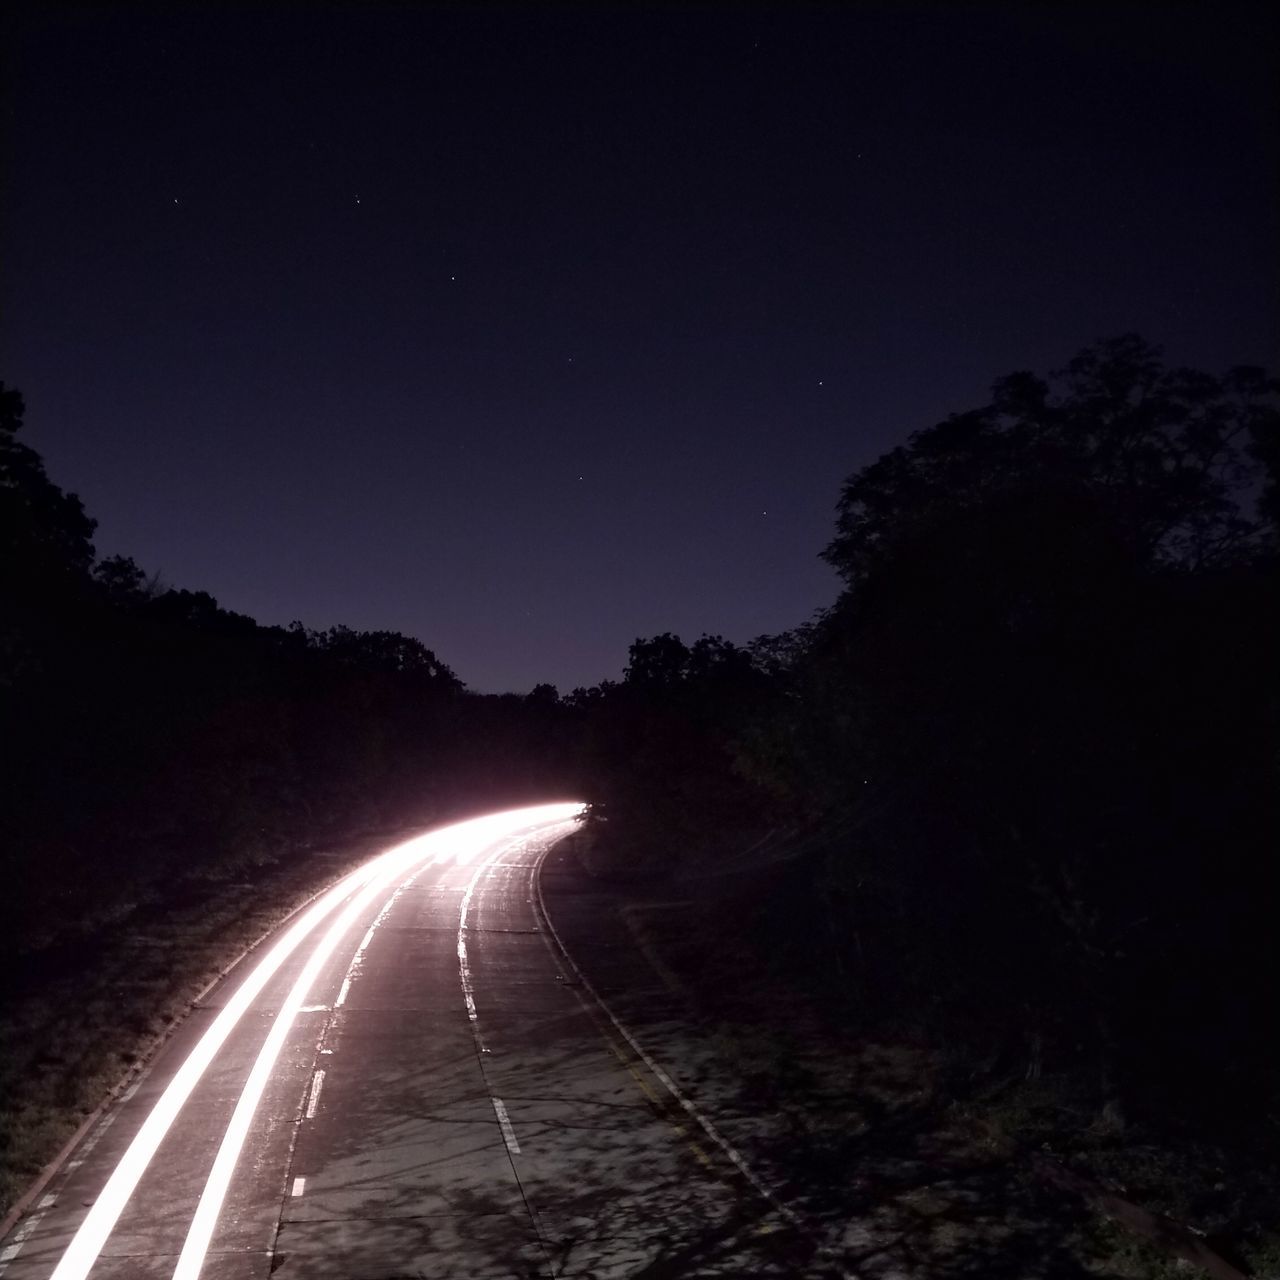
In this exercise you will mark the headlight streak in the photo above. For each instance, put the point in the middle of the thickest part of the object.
(202, 1226)
(461, 841)
(473, 837)
(87, 1243)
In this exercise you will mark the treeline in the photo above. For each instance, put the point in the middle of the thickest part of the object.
(151, 741)
(1022, 773)
(1029, 756)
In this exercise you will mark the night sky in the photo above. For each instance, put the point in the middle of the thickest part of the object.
(531, 331)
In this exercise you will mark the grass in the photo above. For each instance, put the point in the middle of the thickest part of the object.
(74, 1027)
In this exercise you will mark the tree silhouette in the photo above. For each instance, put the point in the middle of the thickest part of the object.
(1169, 456)
(1044, 708)
(45, 536)
(151, 739)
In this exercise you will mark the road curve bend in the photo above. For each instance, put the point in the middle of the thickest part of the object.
(410, 1079)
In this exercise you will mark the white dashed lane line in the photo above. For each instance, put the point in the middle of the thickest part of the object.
(504, 1123)
(317, 1083)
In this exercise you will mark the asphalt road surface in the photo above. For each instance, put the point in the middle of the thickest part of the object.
(423, 1085)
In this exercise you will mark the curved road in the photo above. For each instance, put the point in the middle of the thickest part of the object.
(409, 1079)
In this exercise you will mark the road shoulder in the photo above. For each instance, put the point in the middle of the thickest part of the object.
(868, 1140)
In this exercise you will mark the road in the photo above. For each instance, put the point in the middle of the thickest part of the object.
(410, 1079)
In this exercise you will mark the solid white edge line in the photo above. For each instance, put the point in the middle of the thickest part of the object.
(730, 1151)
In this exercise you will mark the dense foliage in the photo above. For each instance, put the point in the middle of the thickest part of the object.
(1031, 751)
(1026, 763)
(153, 740)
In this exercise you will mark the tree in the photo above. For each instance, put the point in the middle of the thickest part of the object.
(657, 663)
(1046, 704)
(385, 651)
(45, 535)
(123, 581)
(1171, 458)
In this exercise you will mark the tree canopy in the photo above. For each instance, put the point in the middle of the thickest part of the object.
(1180, 464)
(45, 535)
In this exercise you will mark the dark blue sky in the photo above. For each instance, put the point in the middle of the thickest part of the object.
(527, 332)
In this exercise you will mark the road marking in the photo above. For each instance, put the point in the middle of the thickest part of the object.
(328, 1029)
(504, 1123)
(19, 1238)
(681, 1132)
(299, 1186)
(88, 1241)
(734, 1155)
(200, 1233)
(317, 1083)
(462, 842)
(614, 1044)
(549, 833)
(357, 960)
(464, 964)
(97, 1135)
(616, 1048)
(29, 1224)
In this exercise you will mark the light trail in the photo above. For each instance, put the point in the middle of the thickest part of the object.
(88, 1241)
(202, 1226)
(462, 842)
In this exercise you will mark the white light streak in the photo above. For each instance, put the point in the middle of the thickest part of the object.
(215, 1188)
(87, 1243)
(462, 841)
